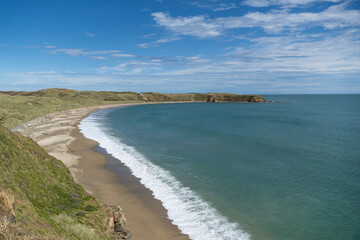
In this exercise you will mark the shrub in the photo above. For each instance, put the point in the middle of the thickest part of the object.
(77, 229)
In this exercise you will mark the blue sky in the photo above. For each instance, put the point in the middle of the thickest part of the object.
(248, 46)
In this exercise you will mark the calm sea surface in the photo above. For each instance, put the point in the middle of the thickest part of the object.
(286, 170)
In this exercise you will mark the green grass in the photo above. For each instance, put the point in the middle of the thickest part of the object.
(20, 107)
(43, 189)
(78, 230)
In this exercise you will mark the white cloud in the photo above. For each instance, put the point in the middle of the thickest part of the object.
(136, 67)
(224, 7)
(202, 26)
(197, 26)
(80, 52)
(144, 45)
(123, 55)
(51, 72)
(166, 40)
(50, 46)
(162, 40)
(274, 22)
(300, 54)
(335, 53)
(292, 64)
(89, 34)
(98, 57)
(216, 7)
(286, 3)
(71, 52)
(150, 35)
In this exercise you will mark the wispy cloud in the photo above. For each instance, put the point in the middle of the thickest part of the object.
(155, 43)
(150, 35)
(97, 57)
(80, 52)
(89, 34)
(51, 72)
(216, 7)
(310, 62)
(224, 7)
(301, 54)
(336, 16)
(137, 67)
(198, 26)
(286, 3)
(123, 55)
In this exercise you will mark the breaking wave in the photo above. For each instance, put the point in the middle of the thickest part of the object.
(186, 209)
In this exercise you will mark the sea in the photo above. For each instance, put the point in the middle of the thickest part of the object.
(287, 169)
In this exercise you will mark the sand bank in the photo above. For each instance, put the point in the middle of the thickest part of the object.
(102, 176)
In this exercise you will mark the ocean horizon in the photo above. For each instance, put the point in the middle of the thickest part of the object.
(285, 169)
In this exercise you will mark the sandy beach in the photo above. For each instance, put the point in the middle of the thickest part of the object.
(100, 174)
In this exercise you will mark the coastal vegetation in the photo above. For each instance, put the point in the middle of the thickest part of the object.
(19, 107)
(39, 198)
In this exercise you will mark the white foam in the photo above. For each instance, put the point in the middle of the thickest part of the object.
(186, 209)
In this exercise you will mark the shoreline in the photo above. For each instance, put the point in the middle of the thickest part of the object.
(103, 176)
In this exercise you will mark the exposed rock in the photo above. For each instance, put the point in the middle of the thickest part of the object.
(212, 99)
(7, 206)
(117, 222)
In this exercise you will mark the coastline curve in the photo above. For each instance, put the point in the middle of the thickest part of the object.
(185, 208)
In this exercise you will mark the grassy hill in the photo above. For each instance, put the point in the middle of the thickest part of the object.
(48, 203)
(19, 107)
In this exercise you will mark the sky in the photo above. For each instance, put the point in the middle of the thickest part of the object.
(238, 46)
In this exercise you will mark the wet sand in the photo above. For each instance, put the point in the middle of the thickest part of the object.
(103, 176)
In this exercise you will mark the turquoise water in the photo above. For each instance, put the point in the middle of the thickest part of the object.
(289, 169)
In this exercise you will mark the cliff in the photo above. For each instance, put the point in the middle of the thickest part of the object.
(40, 200)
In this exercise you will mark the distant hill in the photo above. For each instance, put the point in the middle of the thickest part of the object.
(19, 107)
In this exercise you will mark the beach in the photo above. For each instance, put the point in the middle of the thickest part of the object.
(59, 135)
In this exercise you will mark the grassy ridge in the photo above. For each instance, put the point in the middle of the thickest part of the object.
(19, 107)
(44, 188)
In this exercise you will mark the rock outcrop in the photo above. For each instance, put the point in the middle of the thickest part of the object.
(116, 224)
(7, 206)
(211, 99)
